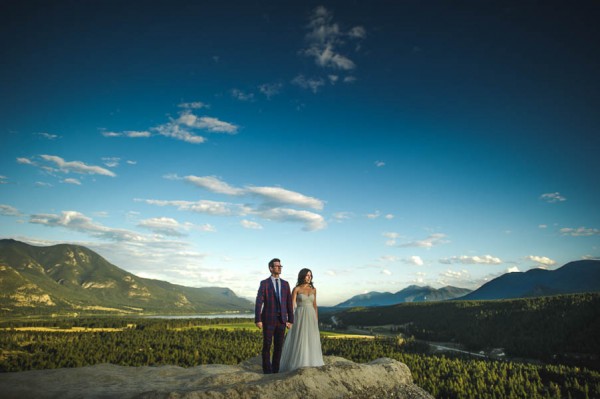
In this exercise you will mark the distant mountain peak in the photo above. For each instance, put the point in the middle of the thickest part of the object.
(67, 278)
(574, 277)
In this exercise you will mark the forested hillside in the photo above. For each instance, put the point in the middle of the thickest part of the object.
(144, 342)
(547, 328)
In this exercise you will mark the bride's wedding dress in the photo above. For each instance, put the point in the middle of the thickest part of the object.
(302, 347)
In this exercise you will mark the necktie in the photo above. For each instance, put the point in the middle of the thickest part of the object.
(277, 289)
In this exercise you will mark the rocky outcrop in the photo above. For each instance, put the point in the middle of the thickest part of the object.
(338, 378)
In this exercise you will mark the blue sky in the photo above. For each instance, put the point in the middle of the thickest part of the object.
(380, 144)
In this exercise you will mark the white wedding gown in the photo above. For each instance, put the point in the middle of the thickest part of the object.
(302, 347)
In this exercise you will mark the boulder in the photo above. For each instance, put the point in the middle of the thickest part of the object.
(338, 378)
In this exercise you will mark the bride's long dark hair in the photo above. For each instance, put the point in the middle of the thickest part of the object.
(302, 275)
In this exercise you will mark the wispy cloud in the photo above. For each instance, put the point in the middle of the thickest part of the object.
(392, 238)
(471, 260)
(111, 162)
(55, 164)
(242, 95)
(48, 136)
(76, 221)
(7, 210)
(184, 127)
(553, 197)
(579, 232)
(429, 242)
(127, 133)
(72, 181)
(314, 84)
(283, 196)
(204, 206)
(3, 180)
(165, 226)
(248, 224)
(76, 166)
(341, 216)
(415, 260)
(271, 195)
(270, 89)
(214, 184)
(379, 164)
(325, 38)
(311, 221)
(193, 105)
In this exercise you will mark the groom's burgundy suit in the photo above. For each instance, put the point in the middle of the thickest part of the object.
(274, 316)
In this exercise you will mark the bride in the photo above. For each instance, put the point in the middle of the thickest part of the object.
(302, 347)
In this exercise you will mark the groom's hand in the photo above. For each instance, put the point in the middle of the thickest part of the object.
(259, 325)
(288, 324)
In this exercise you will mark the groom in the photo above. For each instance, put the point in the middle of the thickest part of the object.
(276, 314)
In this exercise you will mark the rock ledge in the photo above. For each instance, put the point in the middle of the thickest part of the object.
(338, 378)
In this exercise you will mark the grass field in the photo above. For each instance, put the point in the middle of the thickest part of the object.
(224, 326)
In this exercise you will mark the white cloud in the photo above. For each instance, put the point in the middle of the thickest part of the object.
(194, 105)
(111, 162)
(7, 210)
(247, 224)
(76, 166)
(470, 260)
(25, 161)
(389, 258)
(373, 215)
(48, 136)
(311, 221)
(208, 123)
(3, 180)
(42, 184)
(214, 184)
(276, 195)
(174, 130)
(379, 164)
(543, 226)
(184, 126)
(325, 38)
(513, 269)
(127, 133)
(386, 272)
(308, 83)
(204, 206)
(389, 216)
(341, 216)
(283, 196)
(270, 89)
(72, 181)
(552, 197)
(416, 260)
(165, 226)
(579, 232)
(241, 95)
(77, 221)
(541, 260)
(392, 238)
(429, 242)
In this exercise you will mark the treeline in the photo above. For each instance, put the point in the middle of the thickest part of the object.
(169, 342)
(548, 328)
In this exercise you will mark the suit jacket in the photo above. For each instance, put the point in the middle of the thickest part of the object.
(266, 296)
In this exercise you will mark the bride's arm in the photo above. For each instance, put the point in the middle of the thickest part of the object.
(315, 305)
(294, 293)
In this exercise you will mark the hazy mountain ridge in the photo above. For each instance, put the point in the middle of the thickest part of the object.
(72, 278)
(574, 277)
(412, 293)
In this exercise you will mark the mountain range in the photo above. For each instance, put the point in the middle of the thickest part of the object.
(574, 277)
(67, 279)
(412, 293)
